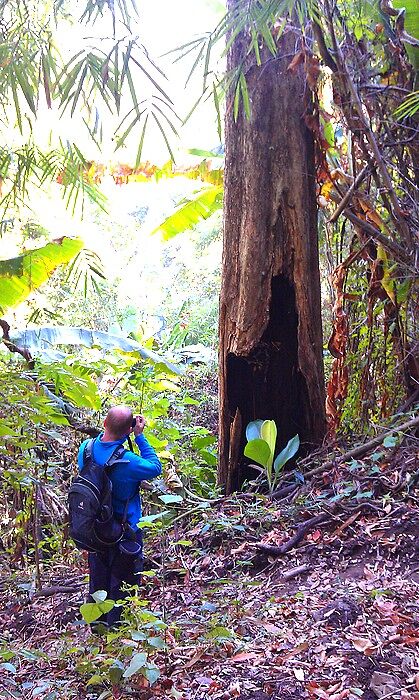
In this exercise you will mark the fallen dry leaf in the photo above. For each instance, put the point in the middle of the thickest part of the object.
(340, 696)
(196, 657)
(296, 61)
(245, 656)
(320, 693)
(316, 535)
(296, 650)
(363, 645)
(384, 684)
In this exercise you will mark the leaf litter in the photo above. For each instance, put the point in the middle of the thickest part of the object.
(345, 625)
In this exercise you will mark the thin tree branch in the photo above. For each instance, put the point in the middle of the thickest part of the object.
(396, 210)
(24, 352)
(345, 199)
(362, 449)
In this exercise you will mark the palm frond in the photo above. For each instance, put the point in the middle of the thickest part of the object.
(408, 107)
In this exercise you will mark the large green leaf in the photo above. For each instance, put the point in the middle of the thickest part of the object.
(253, 429)
(290, 449)
(40, 340)
(92, 611)
(259, 451)
(137, 663)
(268, 432)
(190, 211)
(20, 276)
(205, 154)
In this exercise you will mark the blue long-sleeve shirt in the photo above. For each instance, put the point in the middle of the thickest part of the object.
(126, 475)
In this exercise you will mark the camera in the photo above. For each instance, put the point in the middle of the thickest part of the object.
(134, 423)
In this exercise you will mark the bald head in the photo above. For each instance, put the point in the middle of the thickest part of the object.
(118, 421)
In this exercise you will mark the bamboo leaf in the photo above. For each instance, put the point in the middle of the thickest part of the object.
(245, 95)
(47, 80)
(79, 88)
(236, 100)
(217, 111)
(26, 89)
(16, 101)
(140, 145)
(408, 107)
(194, 65)
(151, 79)
(166, 140)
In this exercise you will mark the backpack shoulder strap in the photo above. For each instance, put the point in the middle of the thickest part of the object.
(115, 457)
(88, 451)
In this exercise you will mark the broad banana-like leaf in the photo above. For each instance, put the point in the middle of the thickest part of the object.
(190, 211)
(259, 451)
(203, 171)
(290, 449)
(36, 340)
(20, 276)
(253, 429)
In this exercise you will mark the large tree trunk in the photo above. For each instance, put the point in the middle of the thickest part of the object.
(270, 322)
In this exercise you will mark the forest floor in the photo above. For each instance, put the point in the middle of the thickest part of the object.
(312, 596)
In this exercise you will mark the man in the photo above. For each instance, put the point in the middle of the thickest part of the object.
(111, 568)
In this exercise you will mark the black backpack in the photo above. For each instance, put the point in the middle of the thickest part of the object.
(92, 525)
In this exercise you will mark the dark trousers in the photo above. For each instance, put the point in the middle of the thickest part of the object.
(108, 571)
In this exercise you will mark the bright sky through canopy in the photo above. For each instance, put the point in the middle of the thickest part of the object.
(165, 25)
(162, 26)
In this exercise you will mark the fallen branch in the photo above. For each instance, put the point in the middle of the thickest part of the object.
(52, 590)
(302, 530)
(283, 492)
(362, 449)
(296, 571)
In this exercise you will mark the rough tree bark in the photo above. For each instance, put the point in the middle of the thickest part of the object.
(270, 322)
